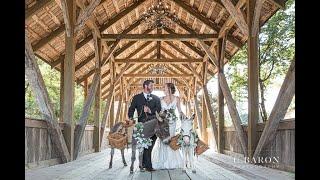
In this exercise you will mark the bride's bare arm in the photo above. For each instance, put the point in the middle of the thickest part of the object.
(178, 106)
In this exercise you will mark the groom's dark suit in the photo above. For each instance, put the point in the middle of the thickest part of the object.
(137, 103)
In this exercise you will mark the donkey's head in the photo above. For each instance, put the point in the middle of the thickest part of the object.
(162, 127)
(186, 128)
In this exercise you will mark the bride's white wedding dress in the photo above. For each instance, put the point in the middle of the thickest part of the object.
(163, 157)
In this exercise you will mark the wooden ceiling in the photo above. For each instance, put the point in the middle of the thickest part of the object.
(45, 28)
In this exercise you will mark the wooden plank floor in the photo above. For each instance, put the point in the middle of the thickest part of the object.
(210, 165)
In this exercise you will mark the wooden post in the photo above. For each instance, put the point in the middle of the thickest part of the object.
(204, 133)
(220, 57)
(97, 99)
(61, 91)
(279, 109)
(210, 113)
(85, 88)
(111, 114)
(230, 102)
(69, 74)
(38, 87)
(196, 106)
(96, 118)
(93, 94)
(105, 119)
(253, 78)
(117, 117)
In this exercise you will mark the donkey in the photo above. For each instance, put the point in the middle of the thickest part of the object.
(189, 142)
(158, 126)
(118, 127)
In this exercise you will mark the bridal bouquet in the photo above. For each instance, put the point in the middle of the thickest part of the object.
(142, 142)
(172, 114)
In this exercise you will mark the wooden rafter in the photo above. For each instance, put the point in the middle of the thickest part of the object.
(157, 75)
(158, 37)
(85, 14)
(138, 49)
(103, 27)
(188, 44)
(237, 16)
(189, 29)
(35, 8)
(150, 60)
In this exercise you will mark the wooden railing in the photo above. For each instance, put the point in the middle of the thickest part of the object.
(282, 147)
(39, 150)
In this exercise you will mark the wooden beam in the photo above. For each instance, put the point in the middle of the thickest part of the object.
(233, 113)
(166, 60)
(121, 73)
(197, 15)
(104, 61)
(158, 37)
(79, 131)
(279, 109)
(230, 21)
(230, 102)
(68, 6)
(198, 114)
(138, 49)
(280, 3)
(61, 92)
(36, 8)
(220, 56)
(156, 85)
(195, 73)
(120, 15)
(256, 17)
(232, 39)
(210, 113)
(84, 62)
(159, 31)
(128, 45)
(253, 80)
(69, 11)
(37, 85)
(85, 14)
(157, 75)
(189, 45)
(237, 16)
(49, 38)
(94, 93)
(178, 49)
(106, 26)
(106, 115)
(117, 117)
(208, 52)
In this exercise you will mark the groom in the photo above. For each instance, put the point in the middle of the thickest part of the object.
(146, 105)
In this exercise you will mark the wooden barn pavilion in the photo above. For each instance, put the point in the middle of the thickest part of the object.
(103, 46)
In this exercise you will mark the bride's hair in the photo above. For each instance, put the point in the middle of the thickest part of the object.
(171, 87)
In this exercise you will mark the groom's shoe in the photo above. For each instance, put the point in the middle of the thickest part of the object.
(150, 169)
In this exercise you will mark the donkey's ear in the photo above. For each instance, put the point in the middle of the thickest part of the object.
(158, 117)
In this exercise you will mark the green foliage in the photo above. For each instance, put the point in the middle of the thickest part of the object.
(51, 79)
(277, 43)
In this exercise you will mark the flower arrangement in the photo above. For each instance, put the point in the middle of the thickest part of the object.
(142, 142)
(172, 114)
(181, 141)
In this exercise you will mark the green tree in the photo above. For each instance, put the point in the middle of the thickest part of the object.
(276, 46)
(51, 79)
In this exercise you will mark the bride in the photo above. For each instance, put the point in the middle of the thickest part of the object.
(163, 157)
